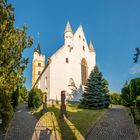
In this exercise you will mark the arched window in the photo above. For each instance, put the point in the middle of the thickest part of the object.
(84, 71)
(67, 60)
(83, 48)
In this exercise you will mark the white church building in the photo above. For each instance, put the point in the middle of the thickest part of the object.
(67, 69)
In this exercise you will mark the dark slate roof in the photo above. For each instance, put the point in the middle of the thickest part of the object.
(38, 49)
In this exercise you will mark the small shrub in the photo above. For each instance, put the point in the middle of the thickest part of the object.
(138, 102)
(7, 115)
(15, 98)
(24, 94)
(35, 98)
(115, 98)
(6, 110)
(21, 100)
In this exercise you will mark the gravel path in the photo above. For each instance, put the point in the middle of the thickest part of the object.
(116, 124)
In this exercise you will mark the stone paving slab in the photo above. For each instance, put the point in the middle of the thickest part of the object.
(116, 124)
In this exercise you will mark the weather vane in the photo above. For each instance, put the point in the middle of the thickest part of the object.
(136, 55)
(38, 37)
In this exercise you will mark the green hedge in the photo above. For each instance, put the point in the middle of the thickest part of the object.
(35, 98)
(6, 110)
(136, 114)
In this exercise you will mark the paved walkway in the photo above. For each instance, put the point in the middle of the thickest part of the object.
(116, 124)
(22, 125)
(47, 128)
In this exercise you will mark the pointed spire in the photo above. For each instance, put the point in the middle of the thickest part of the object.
(80, 26)
(91, 48)
(68, 28)
(38, 48)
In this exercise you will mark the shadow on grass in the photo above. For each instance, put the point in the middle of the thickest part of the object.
(66, 132)
(78, 123)
(84, 119)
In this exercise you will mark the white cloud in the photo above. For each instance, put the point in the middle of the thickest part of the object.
(135, 69)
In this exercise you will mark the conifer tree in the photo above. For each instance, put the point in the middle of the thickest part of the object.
(96, 91)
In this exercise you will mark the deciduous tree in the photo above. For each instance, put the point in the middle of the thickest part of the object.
(13, 41)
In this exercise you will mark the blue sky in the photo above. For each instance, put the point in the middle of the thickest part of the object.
(112, 25)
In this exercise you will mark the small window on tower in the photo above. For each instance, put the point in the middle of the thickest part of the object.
(67, 60)
(39, 72)
(39, 64)
(83, 48)
(79, 36)
(46, 81)
(83, 39)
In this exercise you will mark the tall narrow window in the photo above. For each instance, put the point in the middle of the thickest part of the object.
(39, 72)
(83, 48)
(67, 60)
(84, 71)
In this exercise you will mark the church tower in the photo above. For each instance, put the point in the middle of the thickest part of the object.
(38, 64)
(68, 36)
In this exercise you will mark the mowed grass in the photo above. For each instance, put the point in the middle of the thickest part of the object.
(77, 124)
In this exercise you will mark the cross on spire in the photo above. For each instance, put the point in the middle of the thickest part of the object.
(38, 37)
(136, 56)
(37, 49)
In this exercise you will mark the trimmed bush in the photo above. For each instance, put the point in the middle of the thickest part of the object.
(138, 102)
(23, 94)
(130, 92)
(35, 98)
(6, 109)
(15, 98)
(7, 114)
(115, 98)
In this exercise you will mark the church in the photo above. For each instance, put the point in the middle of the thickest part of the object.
(67, 69)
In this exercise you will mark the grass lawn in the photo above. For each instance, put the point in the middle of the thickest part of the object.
(77, 124)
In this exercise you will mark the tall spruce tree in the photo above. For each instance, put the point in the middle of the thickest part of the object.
(96, 91)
